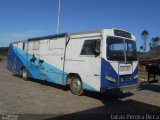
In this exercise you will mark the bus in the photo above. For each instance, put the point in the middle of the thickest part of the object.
(94, 60)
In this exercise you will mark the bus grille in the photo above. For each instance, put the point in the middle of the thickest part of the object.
(124, 68)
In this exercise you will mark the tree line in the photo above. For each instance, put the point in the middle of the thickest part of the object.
(154, 41)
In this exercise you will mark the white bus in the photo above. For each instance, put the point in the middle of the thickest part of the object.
(94, 60)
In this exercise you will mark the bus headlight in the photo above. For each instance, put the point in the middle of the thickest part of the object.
(136, 77)
(110, 79)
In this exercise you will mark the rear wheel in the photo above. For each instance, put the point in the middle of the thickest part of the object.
(76, 86)
(24, 74)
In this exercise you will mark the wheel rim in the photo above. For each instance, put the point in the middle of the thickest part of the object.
(24, 73)
(76, 85)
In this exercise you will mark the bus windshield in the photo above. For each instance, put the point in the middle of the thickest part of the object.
(119, 49)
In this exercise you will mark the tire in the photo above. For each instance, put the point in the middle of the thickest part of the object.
(76, 86)
(24, 74)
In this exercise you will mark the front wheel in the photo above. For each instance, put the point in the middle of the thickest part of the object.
(24, 74)
(76, 86)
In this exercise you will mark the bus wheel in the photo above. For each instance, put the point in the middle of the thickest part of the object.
(76, 86)
(24, 73)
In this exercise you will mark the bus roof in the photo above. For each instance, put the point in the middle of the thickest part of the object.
(42, 38)
(70, 34)
(48, 37)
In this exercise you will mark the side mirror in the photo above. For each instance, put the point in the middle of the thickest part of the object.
(97, 47)
(97, 51)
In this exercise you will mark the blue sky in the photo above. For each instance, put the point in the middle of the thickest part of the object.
(22, 19)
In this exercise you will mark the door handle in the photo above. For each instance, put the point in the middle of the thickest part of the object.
(61, 58)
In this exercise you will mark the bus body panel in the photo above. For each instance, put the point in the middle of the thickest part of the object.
(86, 66)
(40, 63)
(49, 59)
(112, 79)
(54, 58)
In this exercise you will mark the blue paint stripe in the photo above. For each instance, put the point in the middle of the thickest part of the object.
(43, 72)
(108, 84)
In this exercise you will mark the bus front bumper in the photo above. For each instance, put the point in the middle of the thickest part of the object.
(127, 88)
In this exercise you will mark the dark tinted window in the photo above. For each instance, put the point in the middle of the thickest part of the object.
(131, 53)
(89, 47)
(23, 46)
(115, 49)
(118, 49)
(122, 33)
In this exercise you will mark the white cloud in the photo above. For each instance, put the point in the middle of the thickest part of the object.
(7, 38)
(19, 35)
(1, 39)
(27, 34)
(35, 31)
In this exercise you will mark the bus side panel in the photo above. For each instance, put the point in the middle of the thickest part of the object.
(38, 69)
(35, 69)
(44, 70)
(55, 57)
(87, 67)
(16, 59)
(21, 56)
(11, 58)
(42, 62)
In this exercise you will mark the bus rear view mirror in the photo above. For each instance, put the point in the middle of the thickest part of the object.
(97, 47)
(97, 52)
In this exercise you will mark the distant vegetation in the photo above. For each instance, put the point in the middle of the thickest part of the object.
(153, 41)
(3, 53)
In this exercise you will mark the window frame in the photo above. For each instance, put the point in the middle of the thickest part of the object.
(33, 45)
(87, 55)
(36, 47)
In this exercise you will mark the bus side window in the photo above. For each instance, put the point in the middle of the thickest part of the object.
(89, 47)
(23, 46)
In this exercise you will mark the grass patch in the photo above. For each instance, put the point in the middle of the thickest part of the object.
(3, 53)
(143, 75)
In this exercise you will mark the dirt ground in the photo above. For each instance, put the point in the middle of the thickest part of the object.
(34, 99)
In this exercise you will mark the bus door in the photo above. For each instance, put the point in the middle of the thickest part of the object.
(56, 59)
(42, 56)
(35, 61)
